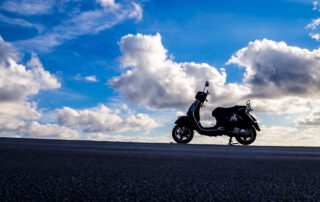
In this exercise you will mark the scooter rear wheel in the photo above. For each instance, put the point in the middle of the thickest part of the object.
(182, 134)
(250, 139)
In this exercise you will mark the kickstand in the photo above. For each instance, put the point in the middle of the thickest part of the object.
(230, 141)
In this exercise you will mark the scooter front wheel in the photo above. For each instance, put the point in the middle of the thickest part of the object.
(182, 134)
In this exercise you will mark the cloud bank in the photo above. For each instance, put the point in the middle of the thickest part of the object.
(103, 119)
(21, 117)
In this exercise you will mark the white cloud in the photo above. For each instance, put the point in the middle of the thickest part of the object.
(109, 4)
(28, 7)
(103, 119)
(83, 23)
(315, 36)
(313, 26)
(43, 77)
(154, 80)
(137, 12)
(275, 70)
(7, 51)
(313, 119)
(316, 5)
(14, 114)
(18, 82)
(89, 78)
(282, 79)
(21, 22)
(37, 130)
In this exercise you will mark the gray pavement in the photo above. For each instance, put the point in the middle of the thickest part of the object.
(56, 170)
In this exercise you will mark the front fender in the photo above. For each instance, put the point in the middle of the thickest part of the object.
(184, 121)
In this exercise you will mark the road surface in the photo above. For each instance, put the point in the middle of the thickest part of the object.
(56, 170)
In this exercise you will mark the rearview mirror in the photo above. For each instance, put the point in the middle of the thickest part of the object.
(207, 83)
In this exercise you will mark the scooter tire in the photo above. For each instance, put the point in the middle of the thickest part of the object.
(178, 138)
(245, 141)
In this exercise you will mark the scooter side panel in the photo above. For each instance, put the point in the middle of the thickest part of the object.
(251, 120)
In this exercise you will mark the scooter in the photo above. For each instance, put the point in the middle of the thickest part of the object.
(234, 122)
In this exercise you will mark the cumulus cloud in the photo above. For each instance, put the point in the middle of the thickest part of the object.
(17, 81)
(103, 119)
(83, 23)
(7, 52)
(21, 118)
(15, 114)
(18, 115)
(274, 69)
(154, 80)
(276, 76)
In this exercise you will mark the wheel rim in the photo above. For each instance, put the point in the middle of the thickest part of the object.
(248, 139)
(182, 133)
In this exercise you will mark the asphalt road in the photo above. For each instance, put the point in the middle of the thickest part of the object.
(55, 170)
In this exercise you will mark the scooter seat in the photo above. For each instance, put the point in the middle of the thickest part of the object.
(228, 110)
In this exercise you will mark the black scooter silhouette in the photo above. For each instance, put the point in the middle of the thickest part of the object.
(234, 122)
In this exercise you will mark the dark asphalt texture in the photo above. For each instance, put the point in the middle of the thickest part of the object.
(56, 170)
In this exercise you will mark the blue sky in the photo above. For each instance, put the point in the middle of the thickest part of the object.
(210, 31)
(79, 44)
